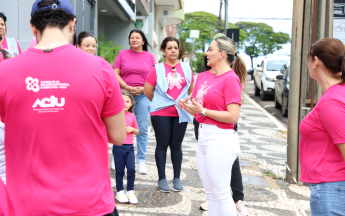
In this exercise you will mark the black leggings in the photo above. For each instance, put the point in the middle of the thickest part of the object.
(236, 183)
(114, 213)
(168, 132)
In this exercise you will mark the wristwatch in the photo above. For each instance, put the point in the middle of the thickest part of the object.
(203, 112)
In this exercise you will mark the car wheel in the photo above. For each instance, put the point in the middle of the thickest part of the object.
(263, 94)
(257, 90)
(276, 104)
(284, 108)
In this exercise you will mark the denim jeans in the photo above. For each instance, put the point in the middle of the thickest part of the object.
(124, 157)
(142, 114)
(327, 199)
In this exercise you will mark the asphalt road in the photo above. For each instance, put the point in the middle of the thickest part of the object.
(267, 105)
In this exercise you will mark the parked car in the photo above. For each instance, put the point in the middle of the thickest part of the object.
(250, 73)
(265, 75)
(281, 89)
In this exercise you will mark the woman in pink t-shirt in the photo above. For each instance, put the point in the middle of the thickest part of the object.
(131, 67)
(322, 131)
(9, 44)
(165, 85)
(216, 106)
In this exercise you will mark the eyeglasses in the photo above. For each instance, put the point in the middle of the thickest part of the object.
(93, 46)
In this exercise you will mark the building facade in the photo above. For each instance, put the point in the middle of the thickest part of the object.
(113, 19)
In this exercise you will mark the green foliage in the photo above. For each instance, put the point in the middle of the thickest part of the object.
(200, 20)
(108, 49)
(198, 65)
(261, 39)
(206, 23)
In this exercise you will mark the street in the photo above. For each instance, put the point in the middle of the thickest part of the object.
(267, 105)
(262, 161)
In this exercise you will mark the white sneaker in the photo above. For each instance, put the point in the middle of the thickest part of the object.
(131, 197)
(121, 197)
(142, 168)
(112, 163)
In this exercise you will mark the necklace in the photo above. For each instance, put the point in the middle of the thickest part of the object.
(173, 69)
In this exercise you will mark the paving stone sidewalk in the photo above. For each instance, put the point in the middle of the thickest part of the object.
(262, 162)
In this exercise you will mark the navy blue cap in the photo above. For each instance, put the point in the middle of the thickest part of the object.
(63, 5)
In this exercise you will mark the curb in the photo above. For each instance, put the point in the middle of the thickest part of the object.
(269, 115)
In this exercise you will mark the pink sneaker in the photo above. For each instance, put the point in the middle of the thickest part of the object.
(241, 210)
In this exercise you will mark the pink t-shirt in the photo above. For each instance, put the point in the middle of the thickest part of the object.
(320, 132)
(4, 46)
(52, 104)
(6, 206)
(134, 66)
(33, 42)
(215, 93)
(176, 85)
(131, 121)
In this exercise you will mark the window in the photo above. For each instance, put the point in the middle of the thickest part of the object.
(275, 65)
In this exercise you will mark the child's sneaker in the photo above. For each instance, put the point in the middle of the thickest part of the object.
(121, 197)
(131, 197)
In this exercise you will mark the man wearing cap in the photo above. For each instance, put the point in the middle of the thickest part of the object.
(61, 107)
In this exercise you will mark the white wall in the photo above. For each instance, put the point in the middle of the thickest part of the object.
(18, 21)
(116, 30)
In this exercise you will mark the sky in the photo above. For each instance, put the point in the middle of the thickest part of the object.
(276, 13)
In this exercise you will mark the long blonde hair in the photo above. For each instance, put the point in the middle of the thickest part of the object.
(229, 47)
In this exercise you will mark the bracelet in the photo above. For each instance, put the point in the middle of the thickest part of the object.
(124, 87)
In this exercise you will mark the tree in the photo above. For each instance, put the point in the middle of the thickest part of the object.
(199, 65)
(261, 39)
(206, 23)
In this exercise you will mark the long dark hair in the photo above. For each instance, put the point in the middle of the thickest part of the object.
(5, 54)
(142, 35)
(83, 35)
(206, 67)
(2, 15)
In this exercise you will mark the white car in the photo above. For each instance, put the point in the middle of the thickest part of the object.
(265, 75)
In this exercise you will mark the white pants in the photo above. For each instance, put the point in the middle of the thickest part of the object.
(216, 152)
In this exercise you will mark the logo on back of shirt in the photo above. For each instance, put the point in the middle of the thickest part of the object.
(32, 84)
(49, 102)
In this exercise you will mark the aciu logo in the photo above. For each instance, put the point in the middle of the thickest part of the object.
(49, 102)
(32, 84)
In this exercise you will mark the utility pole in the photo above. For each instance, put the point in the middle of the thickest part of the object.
(226, 23)
(219, 24)
(312, 21)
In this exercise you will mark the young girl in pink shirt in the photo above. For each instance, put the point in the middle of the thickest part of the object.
(124, 154)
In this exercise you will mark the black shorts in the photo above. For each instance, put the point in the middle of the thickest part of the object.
(114, 213)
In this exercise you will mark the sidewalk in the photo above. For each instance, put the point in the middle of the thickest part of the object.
(262, 162)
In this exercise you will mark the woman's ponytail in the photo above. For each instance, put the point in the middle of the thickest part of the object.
(240, 70)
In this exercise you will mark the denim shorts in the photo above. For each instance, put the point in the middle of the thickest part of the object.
(327, 199)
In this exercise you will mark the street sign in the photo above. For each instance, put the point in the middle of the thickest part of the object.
(234, 34)
(189, 40)
(339, 20)
(194, 33)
